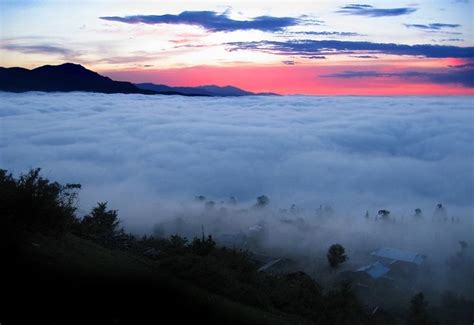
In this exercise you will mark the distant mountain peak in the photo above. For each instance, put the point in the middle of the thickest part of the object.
(75, 77)
(63, 66)
(205, 90)
(63, 78)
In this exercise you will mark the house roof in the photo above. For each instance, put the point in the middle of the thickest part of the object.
(399, 255)
(375, 270)
(269, 265)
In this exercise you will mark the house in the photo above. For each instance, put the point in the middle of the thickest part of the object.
(280, 266)
(375, 270)
(366, 276)
(394, 255)
(404, 265)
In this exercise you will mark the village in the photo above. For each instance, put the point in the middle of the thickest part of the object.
(381, 272)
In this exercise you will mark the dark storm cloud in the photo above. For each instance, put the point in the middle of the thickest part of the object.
(329, 47)
(370, 11)
(41, 49)
(212, 21)
(326, 33)
(435, 26)
(464, 77)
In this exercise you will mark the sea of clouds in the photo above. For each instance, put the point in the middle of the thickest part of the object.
(149, 156)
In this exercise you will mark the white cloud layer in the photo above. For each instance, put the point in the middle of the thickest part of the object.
(142, 153)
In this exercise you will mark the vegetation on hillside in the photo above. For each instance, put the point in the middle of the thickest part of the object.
(61, 258)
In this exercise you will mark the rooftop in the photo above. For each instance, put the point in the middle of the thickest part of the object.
(375, 270)
(399, 255)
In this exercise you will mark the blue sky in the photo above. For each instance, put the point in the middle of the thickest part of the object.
(195, 42)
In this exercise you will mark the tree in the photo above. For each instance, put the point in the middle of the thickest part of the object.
(34, 203)
(418, 314)
(336, 255)
(440, 213)
(203, 246)
(100, 221)
(201, 198)
(384, 214)
(262, 201)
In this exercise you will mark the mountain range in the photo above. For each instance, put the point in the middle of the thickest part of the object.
(74, 77)
(208, 90)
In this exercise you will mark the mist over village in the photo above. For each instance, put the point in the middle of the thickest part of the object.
(237, 163)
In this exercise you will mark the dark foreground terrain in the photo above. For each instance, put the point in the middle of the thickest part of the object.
(61, 269)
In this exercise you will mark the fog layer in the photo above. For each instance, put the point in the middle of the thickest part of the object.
(149, 155)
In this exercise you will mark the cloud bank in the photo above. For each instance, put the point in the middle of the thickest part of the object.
(211, 20)
(334, 47)
(41, 49)
(147, 153)
(461, 76)
(370, 11)
(434, 26)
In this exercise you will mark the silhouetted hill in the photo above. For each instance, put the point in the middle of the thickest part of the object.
(64, 77)
(208, 90)
(74, 77)
(190, 91)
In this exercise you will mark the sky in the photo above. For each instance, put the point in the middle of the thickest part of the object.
(289, 47)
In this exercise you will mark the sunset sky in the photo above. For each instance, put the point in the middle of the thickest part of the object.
(289, 47)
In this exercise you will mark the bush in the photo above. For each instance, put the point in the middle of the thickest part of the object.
(336, 255)
(203, 246)
(33, 203)
(418, 314)
(100, 222)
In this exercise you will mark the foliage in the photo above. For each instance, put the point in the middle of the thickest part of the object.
(342, 307)
(384, 214)
(336, 255)
(100, 221)
(262, 201)
(418, 314)
(33, 203)
(203, 246)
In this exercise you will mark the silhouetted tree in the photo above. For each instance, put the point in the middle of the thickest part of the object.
(262, 201)
(177, 244)
(232, 200)
(462, 252)
(34, 203)
(418, 314)
(203, 246)
(418, 213)
(101, 221)
(210, 204)
(384, 214)
(336, 255)
(440, 213)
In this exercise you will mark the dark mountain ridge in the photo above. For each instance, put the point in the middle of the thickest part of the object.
(206, 90)
(74, 77)
(64, 78)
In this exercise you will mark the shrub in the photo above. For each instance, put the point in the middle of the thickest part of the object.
(203, 246)
(100, 221)
(336, 255)
(262, 201)
(418, 314)
(33, 203)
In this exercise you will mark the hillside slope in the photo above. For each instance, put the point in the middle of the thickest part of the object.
(73, 280)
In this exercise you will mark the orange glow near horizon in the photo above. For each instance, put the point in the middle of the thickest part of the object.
(299, 79)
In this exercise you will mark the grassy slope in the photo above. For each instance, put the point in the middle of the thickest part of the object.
(73, 279)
